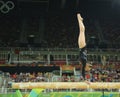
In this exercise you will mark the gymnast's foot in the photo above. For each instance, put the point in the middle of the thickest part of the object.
(79, 17)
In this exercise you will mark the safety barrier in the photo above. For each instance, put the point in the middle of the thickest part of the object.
(56, 56)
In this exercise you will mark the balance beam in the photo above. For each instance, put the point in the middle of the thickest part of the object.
(67, 85)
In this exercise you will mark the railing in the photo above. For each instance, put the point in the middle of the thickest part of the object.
(54, 49)
(57, 55)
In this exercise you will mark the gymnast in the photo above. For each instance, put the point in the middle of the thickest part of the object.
(82, 47)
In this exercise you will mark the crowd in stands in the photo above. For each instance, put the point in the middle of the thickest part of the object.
(109, 73)
(98, 73)
(63, 28)
(31, 77)
(66, 27)
(9, 31)
(111, 29)
(61, 31)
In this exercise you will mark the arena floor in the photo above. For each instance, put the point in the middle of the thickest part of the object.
(69, 94)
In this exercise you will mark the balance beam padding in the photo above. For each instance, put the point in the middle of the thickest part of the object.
(67, 85)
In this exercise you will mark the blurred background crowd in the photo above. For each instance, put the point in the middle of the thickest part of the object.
(39, 33)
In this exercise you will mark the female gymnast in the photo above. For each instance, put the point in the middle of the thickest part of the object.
(82, 46)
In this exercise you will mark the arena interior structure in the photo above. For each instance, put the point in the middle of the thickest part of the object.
(39, 55)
